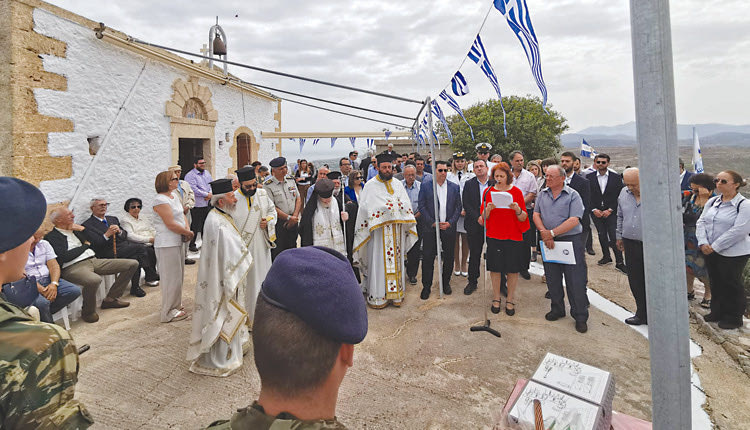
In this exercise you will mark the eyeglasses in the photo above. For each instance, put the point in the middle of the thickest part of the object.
(102, 205)
(602, 162)
(136, 207)
(442, 170)
(359, 178)
(720, 181)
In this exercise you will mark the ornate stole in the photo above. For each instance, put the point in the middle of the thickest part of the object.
(326, 228)
(252, 220)
(392, 261)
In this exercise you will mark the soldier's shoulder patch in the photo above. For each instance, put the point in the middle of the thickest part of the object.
(268, 181)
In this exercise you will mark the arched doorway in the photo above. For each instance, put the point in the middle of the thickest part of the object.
(244, 156)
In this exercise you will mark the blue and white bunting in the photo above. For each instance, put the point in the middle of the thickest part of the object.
(333, 141)
(478, 55)
(301, 143)
(459, 85)
(315, 141)
(352, 140)
(454, 104)
(587, 150)
(517, 14)
(439, 113)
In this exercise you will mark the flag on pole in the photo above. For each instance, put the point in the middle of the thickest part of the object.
(387, 135)
(478, 55)
(587, 150)
(454, 104)
(301, 143)
(517, 14)
(439, 113)
(459, 85)
(333, 141)
(697, 157)
(352, 140)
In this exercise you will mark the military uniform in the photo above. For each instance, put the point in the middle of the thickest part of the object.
(255, 418)
(38, 373)
(284, 195)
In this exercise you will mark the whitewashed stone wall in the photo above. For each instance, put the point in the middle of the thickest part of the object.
(120, 96)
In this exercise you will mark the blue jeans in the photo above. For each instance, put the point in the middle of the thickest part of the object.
(66, 293)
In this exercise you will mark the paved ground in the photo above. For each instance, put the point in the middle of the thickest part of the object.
(419, 367)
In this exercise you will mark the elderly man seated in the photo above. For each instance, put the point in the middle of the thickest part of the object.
(141, 231)
(54, 293)
(108, 240)
(80, 265)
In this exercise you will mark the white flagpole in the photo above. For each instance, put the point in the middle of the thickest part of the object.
(434, 196)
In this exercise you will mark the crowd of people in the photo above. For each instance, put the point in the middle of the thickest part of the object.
(381, 216)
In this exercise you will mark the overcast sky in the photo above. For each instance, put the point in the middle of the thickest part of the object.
(412, 48)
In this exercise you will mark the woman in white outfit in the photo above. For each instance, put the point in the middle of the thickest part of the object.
(172, 229)
(459, 175)
(141, 231)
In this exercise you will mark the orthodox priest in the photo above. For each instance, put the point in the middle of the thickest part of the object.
(255, 218)
(385, 229)
(219, 328)
(323, 219)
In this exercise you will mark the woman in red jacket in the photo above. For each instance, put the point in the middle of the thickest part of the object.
(505, 228)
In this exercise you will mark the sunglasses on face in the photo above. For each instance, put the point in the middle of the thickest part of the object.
(136, 207)
(442, 170)
(720, 181)
(602, 162)
(359, 178)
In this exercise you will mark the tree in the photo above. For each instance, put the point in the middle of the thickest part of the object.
(530, 129)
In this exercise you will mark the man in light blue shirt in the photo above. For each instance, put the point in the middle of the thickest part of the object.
(629, 235)
(412, 190)
(199, 179)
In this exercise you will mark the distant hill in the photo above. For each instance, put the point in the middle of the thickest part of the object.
(624, 135)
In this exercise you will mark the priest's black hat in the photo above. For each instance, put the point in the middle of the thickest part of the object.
(317, 285)
(384, 158)
(334, 175)
(324, 188)
(277, 162)
(23, 207)
(221, 186)
(245, 173)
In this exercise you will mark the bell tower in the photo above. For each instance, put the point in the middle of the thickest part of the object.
(217, 44)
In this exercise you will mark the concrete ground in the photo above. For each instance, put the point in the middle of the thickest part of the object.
(419, 367)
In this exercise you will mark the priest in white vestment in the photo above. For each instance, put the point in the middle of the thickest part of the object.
(219, 328)
(255, 218)
(321, 223)
(385, 230)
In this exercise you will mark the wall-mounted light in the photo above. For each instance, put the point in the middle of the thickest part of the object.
(221, 144)
(227, 137)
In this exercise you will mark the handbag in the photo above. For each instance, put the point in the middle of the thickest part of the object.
(23, 292)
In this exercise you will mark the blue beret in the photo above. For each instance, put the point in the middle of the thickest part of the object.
(23, 207)
(277, 162)
(317, 285)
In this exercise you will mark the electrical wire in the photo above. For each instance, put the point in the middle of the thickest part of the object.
(343, 113)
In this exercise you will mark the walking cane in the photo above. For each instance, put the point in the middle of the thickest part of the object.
(114, 245)
(486, 326)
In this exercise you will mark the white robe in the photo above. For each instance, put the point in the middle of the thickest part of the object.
(223, 265)
(385, 230)
(259, 242)
(326, 225)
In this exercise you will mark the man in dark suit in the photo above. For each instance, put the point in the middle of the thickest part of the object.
(449, 210)
(582, 186)
(108, 240)
(684, 177)
(605, 187)
(472, 200)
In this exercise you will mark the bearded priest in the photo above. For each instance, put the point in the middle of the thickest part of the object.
(385, 230)
(219, 327)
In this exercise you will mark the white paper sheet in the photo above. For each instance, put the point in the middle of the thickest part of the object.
(562, 253)
(501, 199)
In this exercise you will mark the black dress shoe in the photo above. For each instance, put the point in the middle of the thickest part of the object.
(582, 327)
(711, 317)
(495, 309)
(447, 289)
(635, 320)
(604, 261)
(189, 261)
(622, 268)
(470, 288)
(525, 274)
(510, 312)
(547, 295)
(138, 292)
(552, 316)
(193, 248)
(590, 251)
(413, 280)
(425, 294)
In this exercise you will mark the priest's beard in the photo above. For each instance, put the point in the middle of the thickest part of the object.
(248, 193)
(229, 208)
(336, 191)
(385, 176)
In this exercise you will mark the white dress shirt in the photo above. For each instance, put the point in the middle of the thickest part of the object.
(442, 194)
(602, 180)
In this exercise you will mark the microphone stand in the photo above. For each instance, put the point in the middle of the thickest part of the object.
(486, 326)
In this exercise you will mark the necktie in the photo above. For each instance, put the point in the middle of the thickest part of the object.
(105, 222)
(459, 175)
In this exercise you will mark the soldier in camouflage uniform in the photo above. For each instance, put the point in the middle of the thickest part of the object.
(310, 314)
(38, 361)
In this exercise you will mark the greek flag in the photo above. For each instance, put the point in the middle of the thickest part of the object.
(333, 141)
(479, 56)
(387, 135)
(697, 157)
(586, 150)
(459, 85)
(352, 140)
(315, 141)
(301, 143)
(439, 113)
(454, 104)
(517, 14)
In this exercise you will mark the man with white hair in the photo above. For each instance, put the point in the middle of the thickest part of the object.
(629, 240)
(219, 328)
(323, 172)
(81, 267)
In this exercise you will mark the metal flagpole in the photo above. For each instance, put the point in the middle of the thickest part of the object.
(435, 196)
(664, 256)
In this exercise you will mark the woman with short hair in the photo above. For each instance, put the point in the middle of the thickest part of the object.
(356, 185)
(505, 228)
(723, 232)
(172, 233)
(702, 186)
(140, 231)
